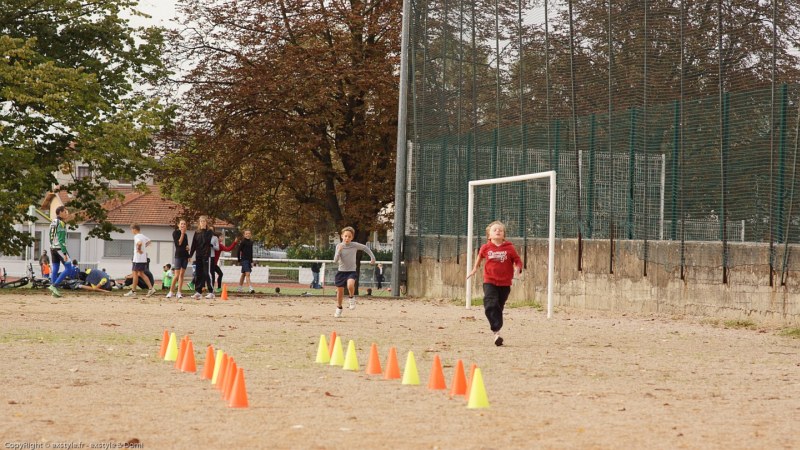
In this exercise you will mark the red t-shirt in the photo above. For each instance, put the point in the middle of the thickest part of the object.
(500, 261)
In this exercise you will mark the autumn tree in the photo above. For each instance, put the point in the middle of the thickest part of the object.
(291, 114)
(67, 74)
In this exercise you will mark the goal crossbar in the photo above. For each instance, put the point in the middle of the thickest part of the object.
(551, 238)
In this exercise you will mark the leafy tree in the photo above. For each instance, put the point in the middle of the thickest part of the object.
(291, 114)
(67, 75)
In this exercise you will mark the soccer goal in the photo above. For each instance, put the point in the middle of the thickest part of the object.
(551, 231)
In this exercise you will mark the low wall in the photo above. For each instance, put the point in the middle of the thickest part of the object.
(631, 282)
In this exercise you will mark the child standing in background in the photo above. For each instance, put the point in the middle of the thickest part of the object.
(244, 255)
(140, 259)
(346, 275)
(166, 277)
(502, 261)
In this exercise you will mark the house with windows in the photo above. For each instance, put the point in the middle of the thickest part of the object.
(156, 215)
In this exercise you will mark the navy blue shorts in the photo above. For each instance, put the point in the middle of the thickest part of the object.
(246, 266)
(342, 277)
(180, 263)
(139, 267)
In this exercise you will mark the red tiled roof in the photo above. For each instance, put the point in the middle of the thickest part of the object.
(144, 208)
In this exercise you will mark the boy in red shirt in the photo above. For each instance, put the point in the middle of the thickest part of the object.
(502, 261)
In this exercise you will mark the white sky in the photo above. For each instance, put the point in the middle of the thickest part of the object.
(163, 12)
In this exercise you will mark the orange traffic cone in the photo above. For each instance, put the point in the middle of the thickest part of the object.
(208, 368)
(188, 359)
(374, 362)
(239, 395)
(224, 295)
(459, 381)
(330, 344)
(230, 377)
(469, 380)
(164, 341)
(223, 368)
(392, 368)
(436, 381)
(181, 352)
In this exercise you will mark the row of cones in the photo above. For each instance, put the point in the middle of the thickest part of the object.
(221, 369)
(472, 388)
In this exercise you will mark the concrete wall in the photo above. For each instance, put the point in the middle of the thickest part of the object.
(620, 283)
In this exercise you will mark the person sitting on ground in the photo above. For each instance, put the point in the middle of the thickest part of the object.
(141, 283)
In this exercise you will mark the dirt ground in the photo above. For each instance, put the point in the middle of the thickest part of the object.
(84, 370)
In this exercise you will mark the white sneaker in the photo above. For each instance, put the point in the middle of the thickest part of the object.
(197, 296)
(131, 293)
(351, 302)
(338, 313)
(240, 289)
(210, 295)
(150, 292)
(169, 295)
(178, 295)
(252, 291)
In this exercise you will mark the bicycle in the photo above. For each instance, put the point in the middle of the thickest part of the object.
(11, 284)
(37, 282)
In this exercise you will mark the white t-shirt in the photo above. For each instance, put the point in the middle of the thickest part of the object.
(140, 257)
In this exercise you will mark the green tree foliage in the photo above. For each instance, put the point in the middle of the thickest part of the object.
(291, 120)
(67, 74)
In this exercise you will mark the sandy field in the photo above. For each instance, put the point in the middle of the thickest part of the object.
(84, 371)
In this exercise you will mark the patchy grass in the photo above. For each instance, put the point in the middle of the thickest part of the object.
(527, 303)
(740, 324)
(791, 332)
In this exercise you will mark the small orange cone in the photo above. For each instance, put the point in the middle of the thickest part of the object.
(469, 380)
(208, 368)
(223, 367)
(181, 351)
(436, 382)
(392, 368)
(330, 344)
(374, 362)
(459, 381)
(239, 394)
(164, 341)
(188, 359)
(230, 377)
(224, 295)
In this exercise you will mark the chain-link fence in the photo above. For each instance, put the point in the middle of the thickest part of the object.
(664, 120)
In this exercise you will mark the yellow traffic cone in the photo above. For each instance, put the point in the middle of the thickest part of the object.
(172, 349)
(477, 393)
(337, 357)
(351, 359)
(323, 357)
(410, 374)
(217, 366)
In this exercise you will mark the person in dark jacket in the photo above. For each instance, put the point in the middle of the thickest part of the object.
(245, 257)
(201, 251)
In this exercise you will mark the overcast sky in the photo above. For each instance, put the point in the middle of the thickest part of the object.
(163, 11)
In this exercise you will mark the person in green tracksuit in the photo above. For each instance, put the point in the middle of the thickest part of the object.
(58, 249)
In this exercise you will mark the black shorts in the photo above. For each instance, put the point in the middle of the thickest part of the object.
(342, 277)
(58, 257)
(139, 267)
(180, 263)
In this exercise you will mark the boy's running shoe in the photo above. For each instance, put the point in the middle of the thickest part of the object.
(54, 291)
(338, 313)
(131, 293)
(351, 302)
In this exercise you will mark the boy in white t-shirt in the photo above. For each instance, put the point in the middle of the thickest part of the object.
(140, 241)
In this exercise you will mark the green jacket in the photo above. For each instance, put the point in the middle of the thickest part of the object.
(58, 235)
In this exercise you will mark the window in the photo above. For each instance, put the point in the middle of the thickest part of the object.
(83, 172)
(118, 249)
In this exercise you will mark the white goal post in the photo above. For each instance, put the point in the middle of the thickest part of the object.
(551, 239)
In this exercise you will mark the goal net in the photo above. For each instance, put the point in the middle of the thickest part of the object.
(520, 202)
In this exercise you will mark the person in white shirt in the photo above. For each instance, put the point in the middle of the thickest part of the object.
(140, 242)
